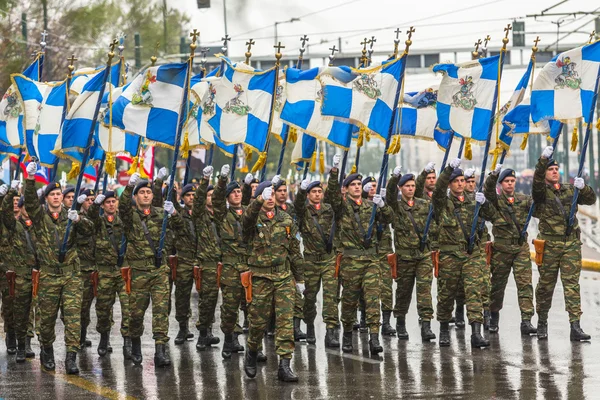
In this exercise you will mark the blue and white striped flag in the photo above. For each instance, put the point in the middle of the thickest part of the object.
(418, 116)
(565, 87)
(466, 97)
(518, 121)
(303, 149)
(364, 96)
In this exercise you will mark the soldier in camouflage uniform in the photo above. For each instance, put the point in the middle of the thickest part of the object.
(149, 273)
(510, 251)
(109, 235)
(315, 220)
(276, 263)
(360, 269)
(562, 252)
(60, 282)
(413, 264)
(8, 302)
(68, 196)
(454, 213)
(249, 186)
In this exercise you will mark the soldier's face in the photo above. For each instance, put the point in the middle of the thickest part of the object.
(430, 181)
(373, 190)
(281, 194)
(253, 186)
(552, 174)
(144, 197)
(269, 205)
(188, 199)
(354, 189)
(68, 199)
(54, 198)
(457, 186)
(209, 198)
(16, 204)
(508, 185)
(110, 206)
(315, 195)
(235, 198)
(408, 190)
(470, 185)
(88, 202)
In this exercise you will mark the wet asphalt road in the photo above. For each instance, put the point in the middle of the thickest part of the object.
(513, 367)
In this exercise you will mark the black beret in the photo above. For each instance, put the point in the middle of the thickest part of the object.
(52, 186)
(261, 187)
(313, 185)
(209, 188)
(186, 189)
(110, 194)
(552, 163)
(281, 183)
(68, 189)
(142, 184)
(456, 173)
(21, 202)
(405, 178)
(368, 179)
(254, 180)
(89, 192)
(231, 186)
(350, 178)
(506, 173)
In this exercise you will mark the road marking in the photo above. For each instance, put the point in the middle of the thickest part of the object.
(353, 357)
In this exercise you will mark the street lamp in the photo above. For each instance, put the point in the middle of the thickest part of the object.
(283, 22)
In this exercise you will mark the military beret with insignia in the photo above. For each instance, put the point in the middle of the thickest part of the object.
(209, 188)
(551, 163)
(89, 192)
(368, 179)
(231, 186)
(313, 185)
(110, 194)
(261, 187)
(52, 186)
(281, 183)
(140, 185)
(350, 178)
(21, 202)
(456, 174)
(186, 189)
(507, 173)
(68, 189)
(405, 178)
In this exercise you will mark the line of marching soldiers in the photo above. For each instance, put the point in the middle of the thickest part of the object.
(244, 240)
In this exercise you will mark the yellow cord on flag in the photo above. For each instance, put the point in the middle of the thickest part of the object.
(574, 140)
(110, 164)
(262, 159)
(185, 147)
(468, 149)
(353, 170)
(313, 162)
(524, 142)
(292, 135)
(74, 172)
(322, 162)
(134, 166)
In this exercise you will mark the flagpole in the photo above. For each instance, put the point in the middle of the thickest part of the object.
(460, 149)
(86, 153)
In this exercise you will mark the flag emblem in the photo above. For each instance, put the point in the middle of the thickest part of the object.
(366, 85)
(143, 97)
(465, 98)
(13, 107)
(568, 77)
(236, 105)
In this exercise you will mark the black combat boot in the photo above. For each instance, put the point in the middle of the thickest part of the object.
(203, 340)
(459, 316)
(271, 327)
(526, 328)
(374, 345)
(285, 373)
(577, 334)
(160, 356)
(237, 347)
(246, 326)
(11, 342)
(21, 351)
(83, 342)
(386, 328)
(28, 350)
(47, 358)
(108, 346)
(356, 325)
(310, 334)
(103, 345)
(331, 338)
(486, 320)
(494, 321)
(347, 342)
(212, 339)
(182, 335)
(477, 340)
(71, 363)
(261, 357)
(426, 332)
(363, 322)
(298, 334)
(444, 334)
(542, 330)
(250, 363)
(401, 328)
(127, 347)
(136, 350)
(227, 346)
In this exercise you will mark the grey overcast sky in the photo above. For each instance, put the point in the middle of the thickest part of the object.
(439, 24)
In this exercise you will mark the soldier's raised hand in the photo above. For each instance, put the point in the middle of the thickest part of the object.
(455, 163)
(336, 161)
(397, 171)
(383, 192)
(248, 179)
(276, 179)
(497, 169)
(162, 174)
(207, 171)
(430, 167)
(134, 179)
(225, 170)
(81, 198)
(304, 184)
(39, 192)
(367, 188)
(267, 193)
(99, 199)
(14, 184)
(3, 190)
(169, 207)
(579, 183)
(32, 168)
(480, 197)
(548, 151)
(73, 215)
(378, 200)
(469, 173)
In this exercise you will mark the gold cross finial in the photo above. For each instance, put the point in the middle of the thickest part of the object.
(113, 44)
(592, 37)
(153, 59)
(398, 31)
(71, 61)
(364, 43)
(535, 44)
(505, 38)
(248, 54)
(333, 50)
(304, 39)
(194, 35)
(475, 53)
(279, 46)
(487, 40)
(408, 41)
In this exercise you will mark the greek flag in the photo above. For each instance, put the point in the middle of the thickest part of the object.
(467, 96)
(302, 106)
(564, 89)
(303, 149)
(151, 104)
(365, 96)
(418, 117)
(11, 110)
(518, 121)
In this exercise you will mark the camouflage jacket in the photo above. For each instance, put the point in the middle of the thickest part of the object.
(140, 254)
(354, 218)
(448, 209)
(230, 228)
(553, 203)
(50, 230)
(290, 209)
(420, 187)
(246, 194)
(207, 226)
(22, 254)
(507, 211)
(273, 249)
(109, 233)
(315, 238)
(158, 201)
(86, 246)
(4, 242)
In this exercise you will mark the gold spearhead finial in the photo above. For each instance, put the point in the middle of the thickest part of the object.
(278, 54)
(71, 67)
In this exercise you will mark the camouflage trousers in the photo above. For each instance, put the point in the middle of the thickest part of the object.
(146, 285)
(111, 284)
(33, 326)
(232, 293)
(456, 267)
(486, 285)
(387, 286)
(87, 298)
(22, 305)
(8, 315)
(409, 272)
(566, 258)
(298, 306)
(62, 291)
(208, 296)
(504, 259)
(357, 276)
(315, 274)
(265, 293)
(184, 281)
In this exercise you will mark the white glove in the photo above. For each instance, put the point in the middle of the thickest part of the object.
(169, 207)
(15, 184)
(497, 169)
(480, 197)
(81, 198)
(73, 215)
(304, 184)
(267, 193)
(32, 168)
(547, 153)
(134, 179)
(99, 199)
(248, 179)
(225, 170)
(469, 173)
(378, 200)
(455, 163)
(367, 188)
(40, 192)
(207, 171)
(336, 161)
(300, 287)
(162, 173)
(3, 190)
(383, 192)
(579, 183)
(397, 171)
(430, 167)
(276, 179)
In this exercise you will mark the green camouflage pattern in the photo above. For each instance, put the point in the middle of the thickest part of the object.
(208, 296)
(149, 285)
(360, 277)
(232, 294)
(86, 247)
(184, 281)
(315, 274)
(314, 243)
(207, 225)
(87, 297)
(410, 271)
(111, 285)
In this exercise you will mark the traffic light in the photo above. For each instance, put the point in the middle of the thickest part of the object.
(518, 33)
(203, 3)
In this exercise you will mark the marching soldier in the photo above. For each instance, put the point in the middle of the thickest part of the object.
(7, 276)
(275, 263)
(60, 281)
(68, 196)
(149, 274)
(413, 261)
(248, 188)
(560, 249)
